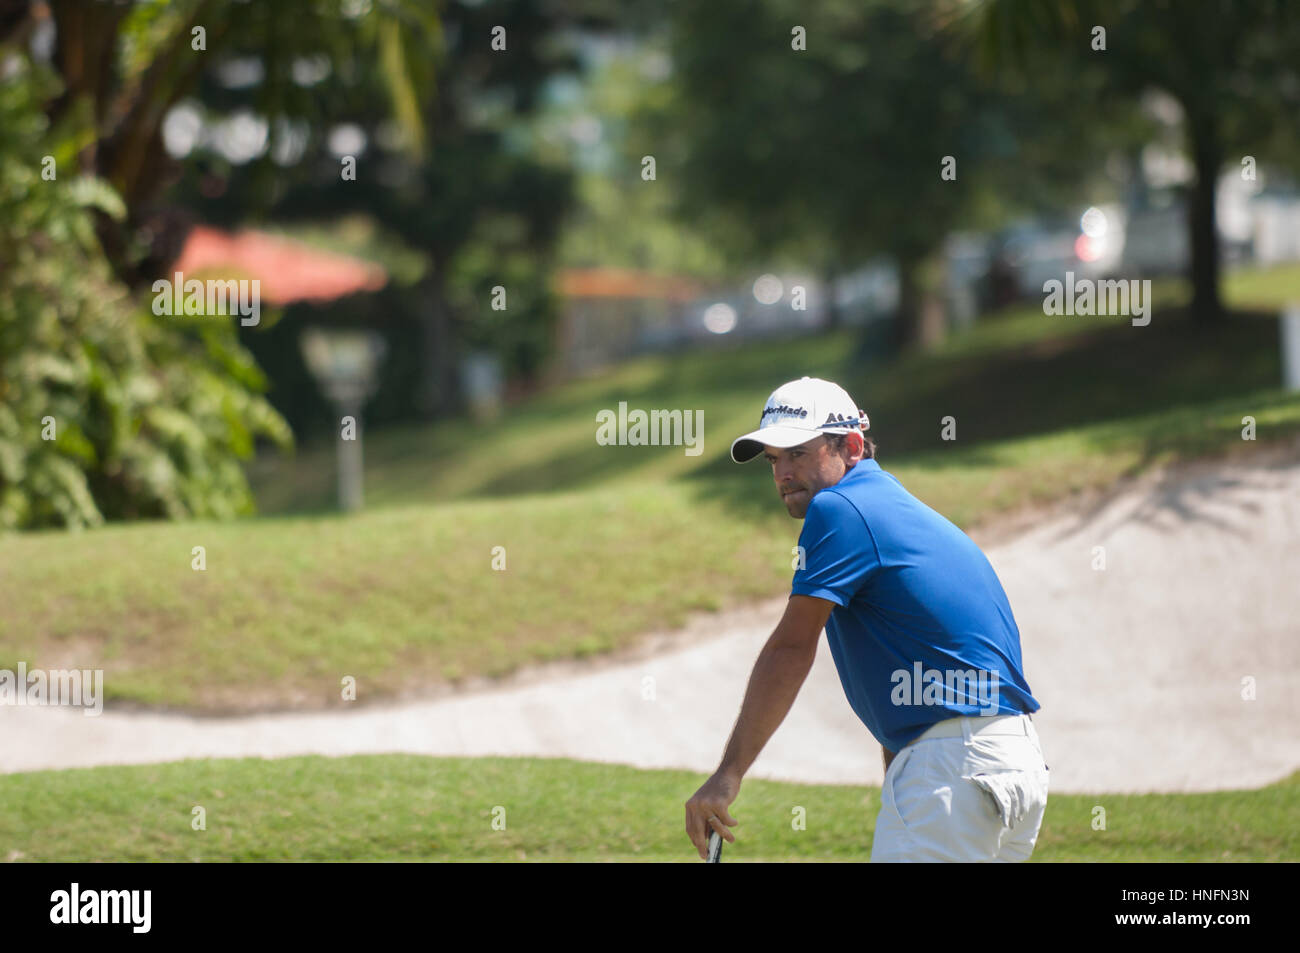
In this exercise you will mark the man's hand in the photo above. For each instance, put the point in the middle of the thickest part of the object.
(706, 811)
(778, 674)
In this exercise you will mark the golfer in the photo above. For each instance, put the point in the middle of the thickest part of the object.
(922, 636)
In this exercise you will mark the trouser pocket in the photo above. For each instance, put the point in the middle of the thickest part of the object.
(1011, 794)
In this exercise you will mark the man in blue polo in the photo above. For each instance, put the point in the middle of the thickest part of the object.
(921, 633)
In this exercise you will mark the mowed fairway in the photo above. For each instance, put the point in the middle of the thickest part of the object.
(404, 808)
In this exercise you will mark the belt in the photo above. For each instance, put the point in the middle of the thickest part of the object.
(970, 725)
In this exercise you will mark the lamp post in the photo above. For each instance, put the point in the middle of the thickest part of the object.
(344, 363)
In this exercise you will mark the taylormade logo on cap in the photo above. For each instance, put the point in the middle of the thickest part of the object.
(796, 412)
(781, 410)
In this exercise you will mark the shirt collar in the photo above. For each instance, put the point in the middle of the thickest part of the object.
(861, 467)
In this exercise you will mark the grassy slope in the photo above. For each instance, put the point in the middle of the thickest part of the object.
(396, 598)
(401, 807)
(604, 543)
(1022, 374)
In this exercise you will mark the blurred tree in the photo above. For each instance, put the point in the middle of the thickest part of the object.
(475, 202)
(1230, 64)
(147, 417)
(105, 410)
(876, 138)
(434, 103)
(124, 66)
(595, 130)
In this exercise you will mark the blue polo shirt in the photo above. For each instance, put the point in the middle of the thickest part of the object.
(921, 630)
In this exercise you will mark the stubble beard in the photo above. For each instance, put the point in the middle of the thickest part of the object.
(798, 508)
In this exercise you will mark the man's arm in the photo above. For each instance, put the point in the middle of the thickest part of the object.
(779, 673)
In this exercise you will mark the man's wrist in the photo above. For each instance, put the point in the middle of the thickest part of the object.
(731, 769)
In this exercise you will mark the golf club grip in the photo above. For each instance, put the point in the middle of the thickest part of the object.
(715, 848)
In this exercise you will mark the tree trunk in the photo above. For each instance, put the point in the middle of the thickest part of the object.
(1207, 306)
(919, 323)
(438, 393)
(834, 314)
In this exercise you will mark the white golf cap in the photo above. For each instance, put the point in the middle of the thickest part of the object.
(796, 413)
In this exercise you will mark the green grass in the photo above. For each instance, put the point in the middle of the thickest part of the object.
(603, 544)
(1015, 374)
(405, 597)
(410, 808)
(397, 598)
(1266, 289)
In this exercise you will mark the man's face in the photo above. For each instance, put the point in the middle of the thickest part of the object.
(800, 472)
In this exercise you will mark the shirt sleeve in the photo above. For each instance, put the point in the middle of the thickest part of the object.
(839, 552)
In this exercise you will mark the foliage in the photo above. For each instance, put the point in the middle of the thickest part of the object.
(835, 153)
(106, 410)
(1228, 65)
(477, 209)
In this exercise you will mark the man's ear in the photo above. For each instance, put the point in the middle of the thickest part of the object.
(856, 445)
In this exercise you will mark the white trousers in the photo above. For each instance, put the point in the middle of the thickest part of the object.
(970, 789)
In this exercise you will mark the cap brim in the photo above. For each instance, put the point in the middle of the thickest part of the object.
(746, 448)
